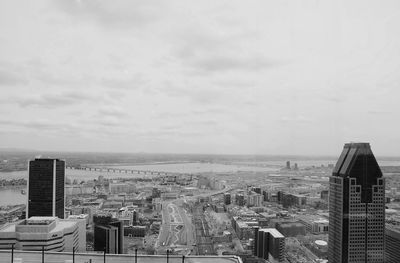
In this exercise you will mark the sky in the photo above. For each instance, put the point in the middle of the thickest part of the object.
(180, 76)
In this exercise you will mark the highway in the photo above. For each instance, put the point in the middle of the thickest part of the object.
(176, 230)
(179, 231)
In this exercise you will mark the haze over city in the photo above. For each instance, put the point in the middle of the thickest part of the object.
(236, 77)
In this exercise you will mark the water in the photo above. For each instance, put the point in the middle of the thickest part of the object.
(192, 167)
(12, 196)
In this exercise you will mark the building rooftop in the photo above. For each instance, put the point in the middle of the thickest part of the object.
(8, 228)
(40, 220)
(272, 231)
(58, 225)
(81, 216)
(290, 224)
(311, 218)
(46, 159)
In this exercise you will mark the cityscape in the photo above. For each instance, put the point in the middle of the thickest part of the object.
(200, 208)
(182, 131)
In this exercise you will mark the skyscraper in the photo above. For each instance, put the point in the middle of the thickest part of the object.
(269, 244)
(46, 188)
(392, 244)
(108, 234)
(356, 207)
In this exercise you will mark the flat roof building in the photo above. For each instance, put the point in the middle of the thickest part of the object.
(269, 244)
(52, 233)
(108, 234)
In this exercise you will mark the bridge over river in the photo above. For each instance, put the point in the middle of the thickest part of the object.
(127, 171)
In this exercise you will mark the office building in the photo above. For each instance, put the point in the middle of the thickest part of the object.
(314, 224)
(291, 229)
(288, 165)
(82, 222)
(356, 207)
(240, 199)
(135, 231)
(227, 198)
(392, 244)
(108, 234)
(121, 187)
(256, 189)
(289, 200)
(324, 195)
(269, 244)
(46, 188)
(254, 199)
(52, 233)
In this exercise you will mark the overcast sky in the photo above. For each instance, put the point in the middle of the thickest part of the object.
(250, 77)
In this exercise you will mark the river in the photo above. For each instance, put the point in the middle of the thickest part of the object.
(12, 196)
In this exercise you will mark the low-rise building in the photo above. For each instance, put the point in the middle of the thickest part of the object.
(291, 229)
(314, 224)
(135, 231)
(120, 187)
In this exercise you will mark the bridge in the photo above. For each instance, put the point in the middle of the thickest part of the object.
(127, 171)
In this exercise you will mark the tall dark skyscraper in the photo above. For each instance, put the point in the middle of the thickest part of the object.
(46, 188)
(356, 207)
(108, 234)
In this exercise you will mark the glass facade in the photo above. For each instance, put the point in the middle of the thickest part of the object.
(46, 188)
(356, 207)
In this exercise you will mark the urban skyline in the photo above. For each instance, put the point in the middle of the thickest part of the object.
(199, 131)
(175, 213)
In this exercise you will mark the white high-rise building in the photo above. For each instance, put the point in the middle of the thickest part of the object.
(52, 233)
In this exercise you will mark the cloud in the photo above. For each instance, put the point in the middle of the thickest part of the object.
(54, 100)
(109, 122)
(208, 50)
(295, 119)
(10, 78)
(112, 111)
(43, 125)
(379, 112)
(203, 95)
(115, 13)
(135, 82)
(226, 63)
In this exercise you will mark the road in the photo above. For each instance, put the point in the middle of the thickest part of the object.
(176, 229)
